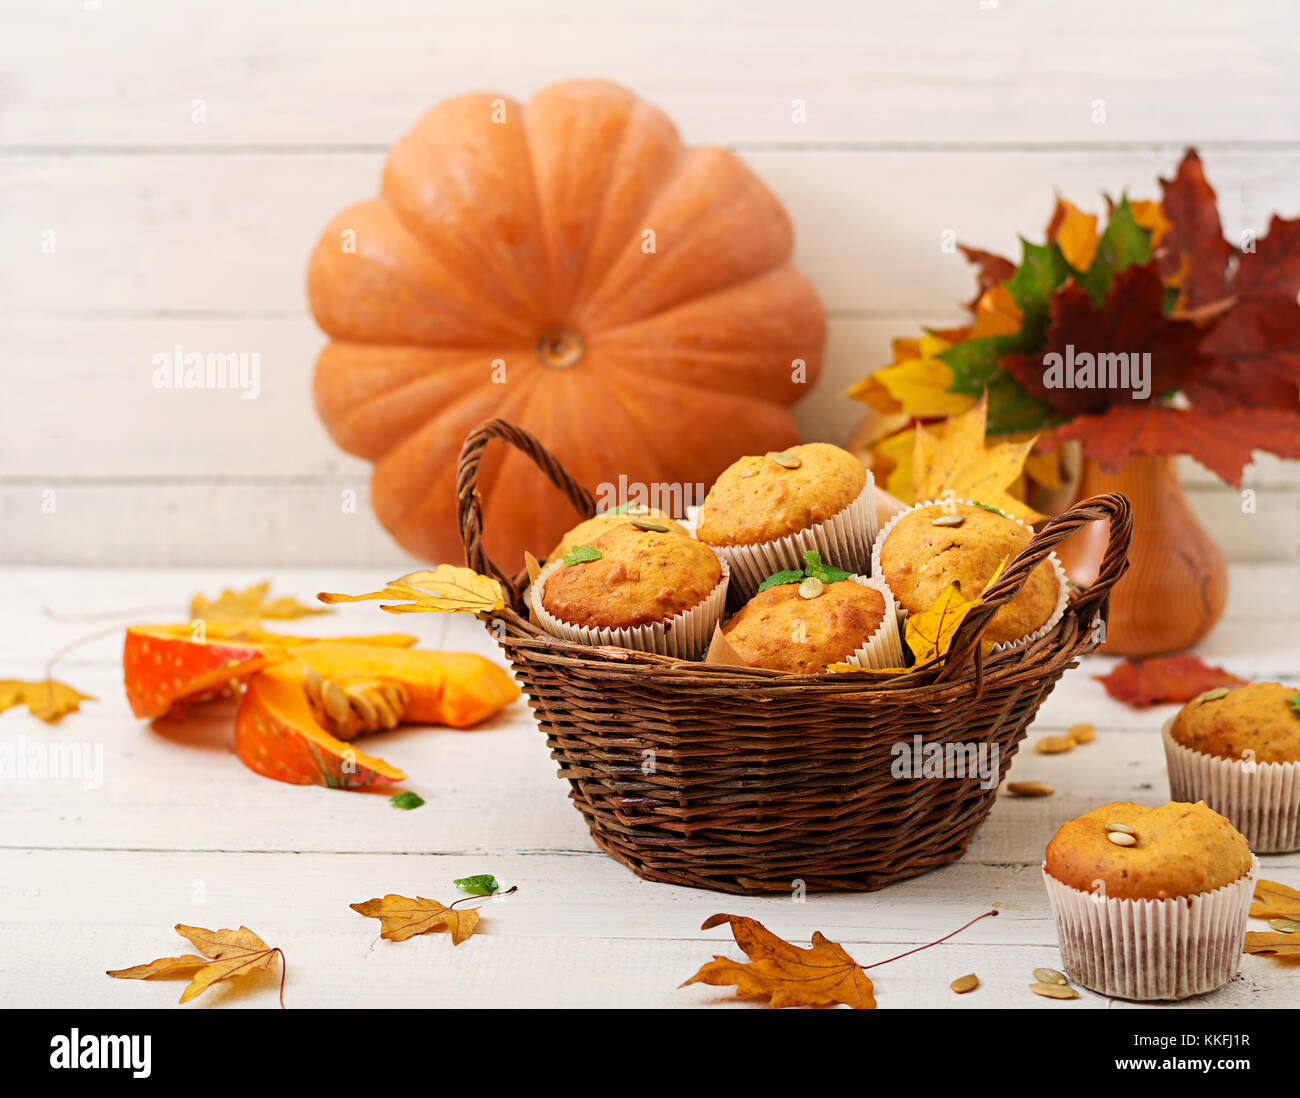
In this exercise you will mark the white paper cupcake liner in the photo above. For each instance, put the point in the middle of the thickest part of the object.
(843, 540)
(684, 636)
(1062, 583)
(1261, 799)
(1152, 949)
(884, 648)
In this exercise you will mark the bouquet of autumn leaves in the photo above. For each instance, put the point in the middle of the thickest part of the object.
(1221, 324)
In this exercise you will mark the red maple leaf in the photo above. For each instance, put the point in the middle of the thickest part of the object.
(992, 269)
(1255, 344)
(1223, 440)
(1163, 679)
(1197, 236)
(1130, 320)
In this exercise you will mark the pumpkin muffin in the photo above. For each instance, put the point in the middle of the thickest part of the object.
(586, 532)
(1238, 749)
(801, 627)
(762, 513)
(629, 578)
(1150, 903)
(927, 547)
(757, 499)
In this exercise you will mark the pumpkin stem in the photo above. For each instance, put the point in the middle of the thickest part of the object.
(560, 347)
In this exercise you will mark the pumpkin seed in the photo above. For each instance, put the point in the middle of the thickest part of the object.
(949, 520)
(365, 708)
(385, 713)
(1030, 789)
(787, 461)
(811, 588)
(646, 524)
(1286, 926)
(1053, 991)
(312, 680)
(1119, 838)
(1081, 733)
(1213, 695)
(1050, 976)
(336, 702)
(1053, 745)
(1121, 827)
(966, 983)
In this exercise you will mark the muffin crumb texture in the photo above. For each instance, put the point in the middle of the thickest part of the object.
(642, 577)
(1179, 850)
(1257, 717)
(758, 499)
(919, 560)
(780, 629)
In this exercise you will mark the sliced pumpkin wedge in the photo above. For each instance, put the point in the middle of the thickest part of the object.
(278, 736)
(166, 664)
(456, 689)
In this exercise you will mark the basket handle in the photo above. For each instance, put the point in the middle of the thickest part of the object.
(1089, 603)
(469, 504)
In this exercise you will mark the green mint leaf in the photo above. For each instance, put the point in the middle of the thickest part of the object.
(1294, 702)
(406, 801)
(580, 554)
(482, 885)
(812, 558)
(833, 575)
(789, 575)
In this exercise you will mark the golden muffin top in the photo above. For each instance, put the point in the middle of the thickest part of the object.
(641, 577)
(1178, 850)
(919, 559)
(781, 629)
(1263, 717)
(590, 529)
(759, 499)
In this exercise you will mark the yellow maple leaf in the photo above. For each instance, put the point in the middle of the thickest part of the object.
(1075, 233)
(1151, 217)
(403, 917)
(246, 609)
(445, 589)
(47, 699)
(958, 462)
(996, 313)
(226, 954)
(929, 634)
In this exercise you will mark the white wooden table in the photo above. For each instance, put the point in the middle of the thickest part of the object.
(180, 831)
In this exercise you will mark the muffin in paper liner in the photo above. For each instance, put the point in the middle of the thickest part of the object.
(685, 635)
(1152, 949)
(1062, 582)
(1261, 799)
(844, 540)
(884, 648)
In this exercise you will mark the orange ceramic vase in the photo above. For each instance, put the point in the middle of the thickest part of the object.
(1177, 581)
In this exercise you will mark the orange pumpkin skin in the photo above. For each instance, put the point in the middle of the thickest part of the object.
(570, 266)
(165, 664)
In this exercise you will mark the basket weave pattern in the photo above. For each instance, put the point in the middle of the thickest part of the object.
(747, 780)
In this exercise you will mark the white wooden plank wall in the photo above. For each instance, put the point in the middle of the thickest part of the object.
(920, 117)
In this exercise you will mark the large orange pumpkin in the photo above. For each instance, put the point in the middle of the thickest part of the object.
(570, 266)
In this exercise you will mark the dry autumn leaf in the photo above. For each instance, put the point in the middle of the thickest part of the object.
(403, 917)
(47, 699)
(226, 954)
(1163, 680)
(958, 462)
(1272, 944)
(1075, 233)
(784, 974)
(917, 380)
(445, 589)
(929, 633)
(248, 608)
(1275, 901)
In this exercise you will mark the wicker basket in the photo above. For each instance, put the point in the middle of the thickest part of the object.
(747, 780)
